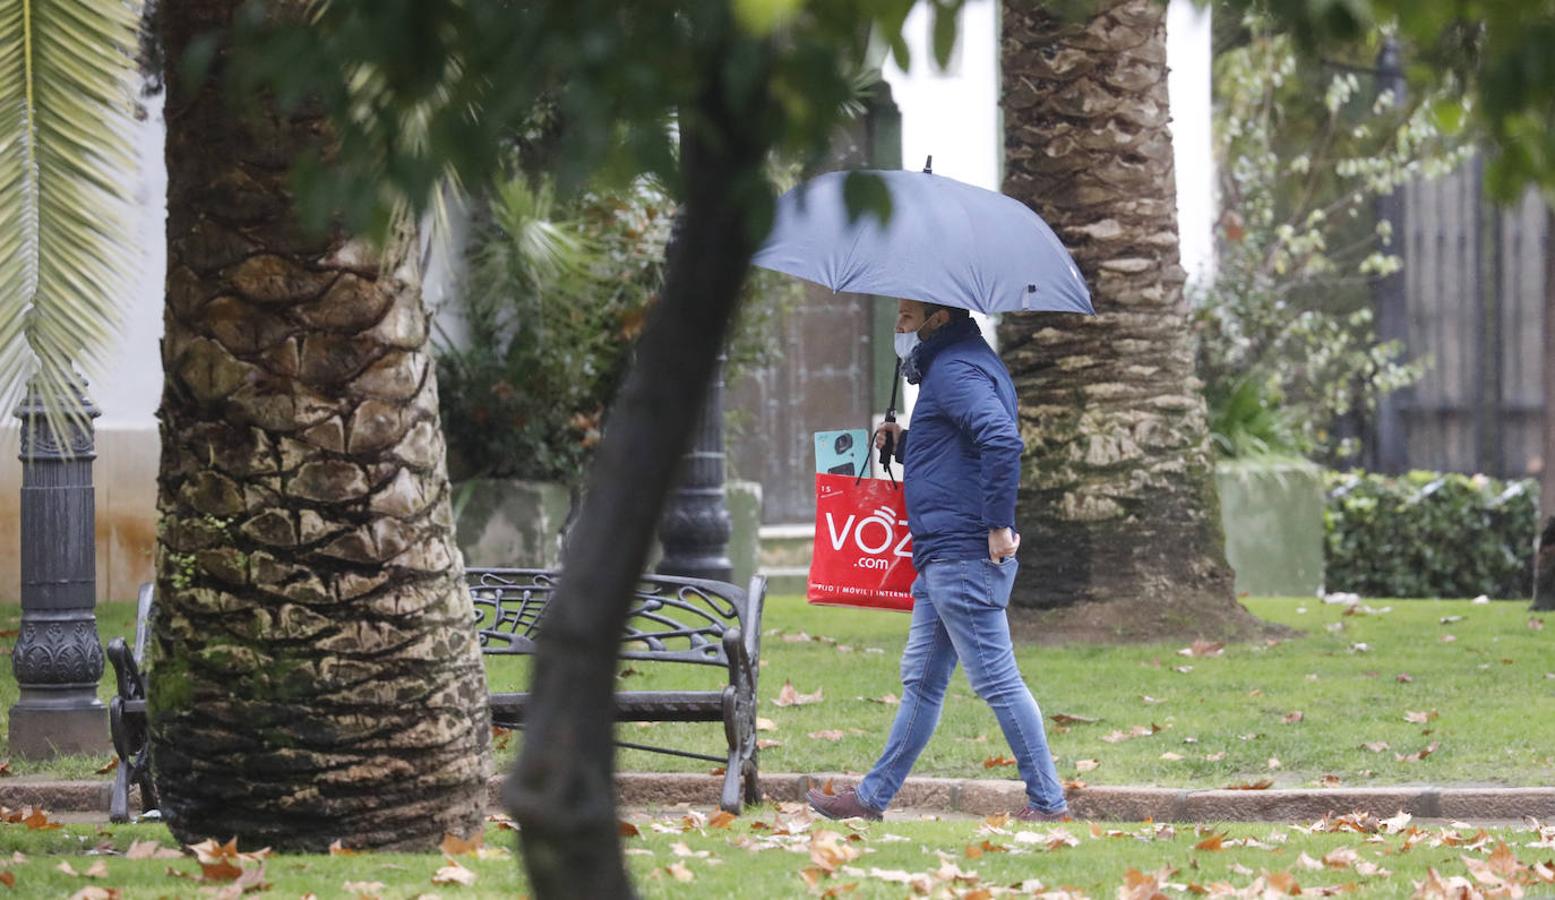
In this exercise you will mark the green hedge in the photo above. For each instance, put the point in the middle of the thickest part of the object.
(1430, 535)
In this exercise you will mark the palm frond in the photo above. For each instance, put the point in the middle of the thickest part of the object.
(68, 256)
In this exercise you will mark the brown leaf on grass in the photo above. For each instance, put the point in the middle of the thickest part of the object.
(1535, 623)
(1404, 678)
(1448, 638)
(1330, 781)
(1420, 718)
(1215, 757)
(789, 696)
(888, 699)
(97, 893)
(1172, 757)
(1418, 755)
(1376, 746)
(830, 787)
(994, 762)
(722, 820)
(338, 849)
(1262, 785)
(765, 724)
(1203, 648)
(1067, 719)
(109, 766)
(1215, 841)
(1293, 717)
(453, 873)
(1182, 669)
(1075, 784)
(151, 850)
(37, 819)
(220, 870)
(627, 829)
(1341, 858)
(767, 743)
(5, 768)
(363, 888)
(8, 879)
(1274, 762)
(453, 845)
(829, 734)
(501, 738)
(1087, 765)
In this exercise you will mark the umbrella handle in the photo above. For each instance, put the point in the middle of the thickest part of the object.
(890, 416)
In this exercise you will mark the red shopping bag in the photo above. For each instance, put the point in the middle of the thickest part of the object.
(863, 550)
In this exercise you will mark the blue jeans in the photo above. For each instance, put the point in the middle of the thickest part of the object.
(959, 613)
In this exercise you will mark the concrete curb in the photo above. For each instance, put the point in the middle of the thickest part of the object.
(982, 797)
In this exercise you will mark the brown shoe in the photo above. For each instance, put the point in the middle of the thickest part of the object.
(1032, 814)
(841, 805)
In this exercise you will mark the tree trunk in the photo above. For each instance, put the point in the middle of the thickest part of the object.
(1118, 507)
(562, 791)
(314, 673)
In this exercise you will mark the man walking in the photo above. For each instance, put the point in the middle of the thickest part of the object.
(962, 459)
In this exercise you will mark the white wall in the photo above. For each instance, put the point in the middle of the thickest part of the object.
(132, 389)
(1190, 55)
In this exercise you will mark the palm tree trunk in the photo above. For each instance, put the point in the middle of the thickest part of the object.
(314, 671)
(1119, 511)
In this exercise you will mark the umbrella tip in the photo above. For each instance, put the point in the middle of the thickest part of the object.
(928, 165)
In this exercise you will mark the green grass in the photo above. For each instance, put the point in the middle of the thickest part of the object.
(1488, 688)
(731, 862)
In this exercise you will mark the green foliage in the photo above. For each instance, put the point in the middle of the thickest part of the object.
(427, 91)
(1304, 154)
(1245, 421)
(1430, 535)
(556, 294)
(68, 248)
(1491, 56)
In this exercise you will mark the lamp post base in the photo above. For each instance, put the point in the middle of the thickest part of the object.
(42, 734)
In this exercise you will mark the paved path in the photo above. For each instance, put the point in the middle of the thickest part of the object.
(973, 797)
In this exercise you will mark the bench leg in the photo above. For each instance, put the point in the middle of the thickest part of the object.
(752, 780)
(119, 802)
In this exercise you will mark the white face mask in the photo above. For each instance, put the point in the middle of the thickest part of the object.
(905, 344)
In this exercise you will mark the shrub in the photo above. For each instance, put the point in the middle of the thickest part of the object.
(1428, 534)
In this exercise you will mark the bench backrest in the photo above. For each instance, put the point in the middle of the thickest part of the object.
(677, 619)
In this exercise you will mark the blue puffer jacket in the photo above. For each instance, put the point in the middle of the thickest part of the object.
(963, 458)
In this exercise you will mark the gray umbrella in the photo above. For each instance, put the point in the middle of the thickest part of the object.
(947, 242)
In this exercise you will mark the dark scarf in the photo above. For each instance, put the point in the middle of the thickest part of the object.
(917, 363)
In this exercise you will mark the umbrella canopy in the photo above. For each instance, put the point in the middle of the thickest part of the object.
(947, 243)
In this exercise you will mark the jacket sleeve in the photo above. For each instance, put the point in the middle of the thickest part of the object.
(984, 419)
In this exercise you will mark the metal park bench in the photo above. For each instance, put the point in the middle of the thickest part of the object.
(672, 620)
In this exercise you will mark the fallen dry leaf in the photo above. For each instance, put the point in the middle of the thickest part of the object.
(830, 734)
(1274, 762)
(453, 845)
(887, 699)
(1215, 841)
(1535, 623)
(5, 768)
(1420, 718)
(1215, 757)
(1203, 648)
(789, 696)
(765, 724)
(97, 893)
(1262, 785)
(1087, 765)
(1404, 678)
(1067, 719)
(453, 873)
(722, 820)
(1293, 717)
(767, 743)
(1376, 746)
(338, 849)
(1448, 638)
(363, 888)
(109, 766)
(37, 819)
(1172, 757)
(627, 829)
(151, 850)
(220, 870)
(1330, 781)
(994, 762)
(8, 879)
(1418, 755)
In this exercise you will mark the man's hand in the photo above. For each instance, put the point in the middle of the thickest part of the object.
(1002, 543)
(888, 428)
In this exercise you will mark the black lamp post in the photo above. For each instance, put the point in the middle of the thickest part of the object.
(58, 659)
(695, 529)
